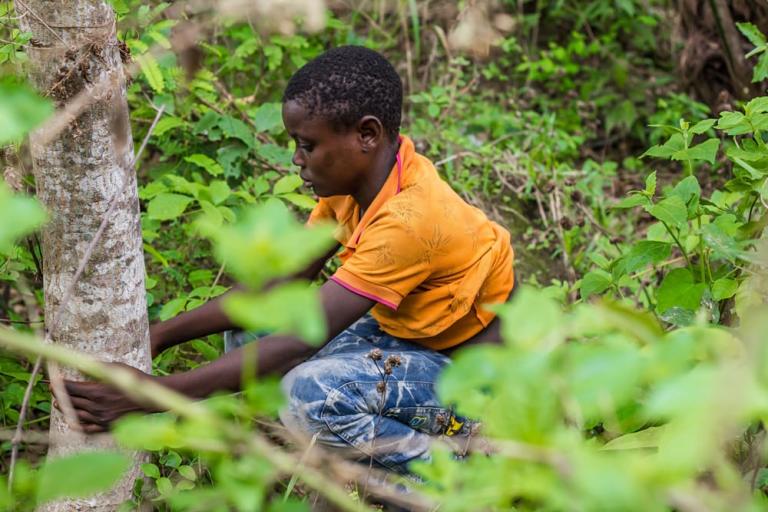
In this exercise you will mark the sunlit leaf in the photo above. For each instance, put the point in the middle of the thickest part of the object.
(21, 110)
(80, 475)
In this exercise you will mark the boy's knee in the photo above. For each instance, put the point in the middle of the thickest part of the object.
(306, 388)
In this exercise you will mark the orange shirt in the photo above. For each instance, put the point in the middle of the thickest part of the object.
(429, 259)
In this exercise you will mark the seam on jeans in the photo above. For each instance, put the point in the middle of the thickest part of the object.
(345, 438)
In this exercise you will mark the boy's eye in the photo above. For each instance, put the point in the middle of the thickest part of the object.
(306, 147)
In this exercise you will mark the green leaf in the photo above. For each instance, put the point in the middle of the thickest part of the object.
(596, 281)
(760, 72)
(753, 173)
(671, 210)
(678, 289)
(206, 162)
(21, 110)
(80, 475)
(172, 308)
(632, 201)
(167, 123)
(151, 70)
(219, 191)
(650, 184)
(206, 350)
(151, 470)
(164, 486)
(643, 253)
(674, 144)
(268, 117)
(300, 200)
(291, 308)
(529, 318)
(187, 472)
(756, 106)
(752, 33)
(275, 155)
(287, 183)
(749, 151)
(19, 215)
(167, 206)
(724, 288)
(706, 151)
(689, 190)
(733, 123)
(703, 126)
(236, 129)
(646, 438)
(264, 243)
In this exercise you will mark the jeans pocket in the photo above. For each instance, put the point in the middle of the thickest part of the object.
(429, 420)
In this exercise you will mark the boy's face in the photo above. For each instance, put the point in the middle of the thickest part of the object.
(332, 161)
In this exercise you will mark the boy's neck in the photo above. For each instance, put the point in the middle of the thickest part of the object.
(375, 180)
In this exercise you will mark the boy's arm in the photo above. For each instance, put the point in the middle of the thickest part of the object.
(98, 405)
(210, 318)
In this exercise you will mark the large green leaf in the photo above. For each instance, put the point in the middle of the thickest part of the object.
(167, 206)
(80, 475)
(268, 117)
(596, 281)
(674, 144)
(706, 151)
(678, 289)
(18, 216)
(206, 162)
(236, 129)
(529, 318)
(643, 253)
(151, 70)
(267, 243)
(752, 33)
(287, 183)
(21, 110)
(671, 210)
(292, 308)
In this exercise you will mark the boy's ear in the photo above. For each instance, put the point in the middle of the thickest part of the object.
(370, 133)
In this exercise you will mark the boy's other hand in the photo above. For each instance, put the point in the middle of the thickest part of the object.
(156, 340)
(97, 405)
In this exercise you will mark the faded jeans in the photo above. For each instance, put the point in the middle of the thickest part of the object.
(368, 395)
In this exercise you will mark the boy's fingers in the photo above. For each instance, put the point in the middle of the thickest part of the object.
(83, 389)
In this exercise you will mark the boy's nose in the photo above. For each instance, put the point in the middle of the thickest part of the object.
(298, 159)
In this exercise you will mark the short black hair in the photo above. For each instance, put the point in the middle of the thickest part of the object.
(346, 83)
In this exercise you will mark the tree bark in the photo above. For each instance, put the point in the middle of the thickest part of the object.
(78, 175)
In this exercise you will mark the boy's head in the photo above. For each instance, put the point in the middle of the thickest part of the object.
(343, 109)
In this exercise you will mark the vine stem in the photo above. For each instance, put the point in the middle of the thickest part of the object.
(677, 241)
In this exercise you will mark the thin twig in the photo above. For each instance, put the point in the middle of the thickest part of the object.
(22, 416)
(32, 313)
(41, 20)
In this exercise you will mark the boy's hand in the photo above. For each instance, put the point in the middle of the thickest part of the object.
(97, 405)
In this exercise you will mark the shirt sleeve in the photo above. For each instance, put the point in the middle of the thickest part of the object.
(389, 262)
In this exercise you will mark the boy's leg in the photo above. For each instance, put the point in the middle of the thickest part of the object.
(370, 395)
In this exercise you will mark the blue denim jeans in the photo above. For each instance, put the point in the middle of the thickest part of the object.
(370, 396)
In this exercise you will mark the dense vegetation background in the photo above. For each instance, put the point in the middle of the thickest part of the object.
(620, 141)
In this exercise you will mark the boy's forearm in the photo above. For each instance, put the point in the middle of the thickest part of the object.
(272, 355)
(202, 321)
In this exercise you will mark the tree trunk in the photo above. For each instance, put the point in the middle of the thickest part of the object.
(78, 175)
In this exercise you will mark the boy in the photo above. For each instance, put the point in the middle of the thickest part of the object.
(418, 263)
